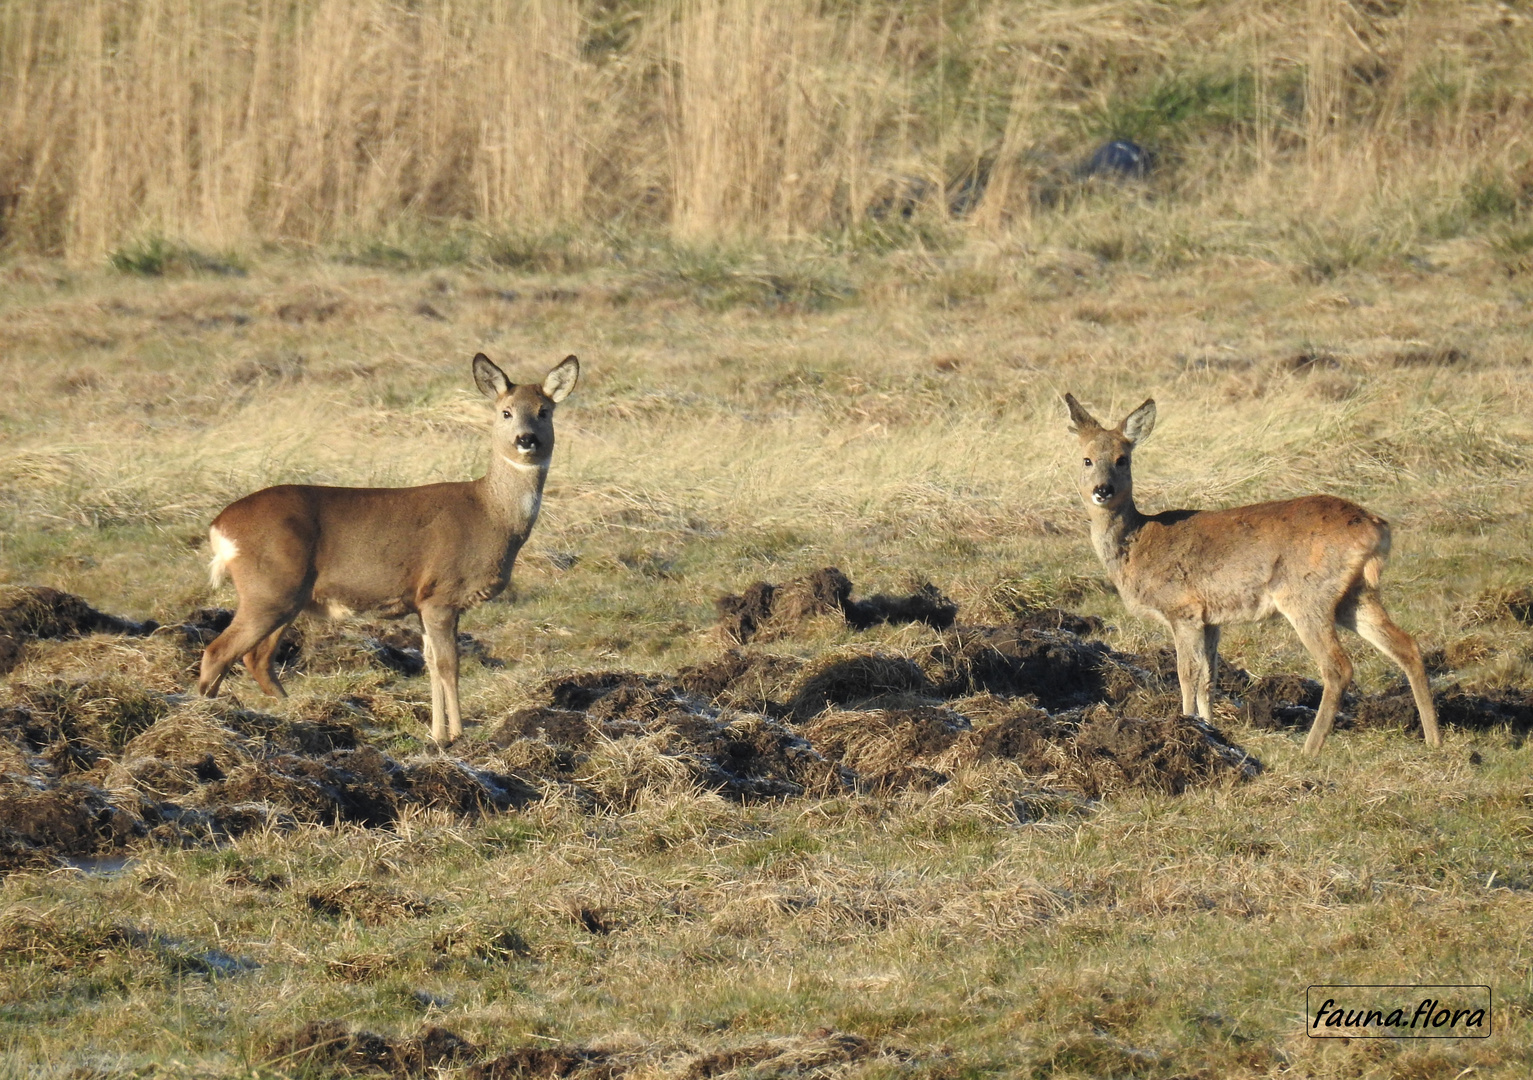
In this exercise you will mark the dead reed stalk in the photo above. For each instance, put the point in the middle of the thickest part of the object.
(225, 121)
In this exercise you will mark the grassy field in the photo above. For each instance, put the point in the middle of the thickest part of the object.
(829, 269)
(739, 419)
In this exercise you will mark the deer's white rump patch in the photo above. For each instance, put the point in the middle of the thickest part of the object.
(224, 551)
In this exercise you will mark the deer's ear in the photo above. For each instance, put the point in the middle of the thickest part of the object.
(1137, 425)
(561, 380)
(1080, 419)
(492, 382)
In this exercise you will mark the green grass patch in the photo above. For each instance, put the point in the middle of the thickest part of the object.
(156, 256)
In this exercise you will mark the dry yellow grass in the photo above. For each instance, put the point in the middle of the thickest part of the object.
(226, 122)
(1325, 289)
(913, 433)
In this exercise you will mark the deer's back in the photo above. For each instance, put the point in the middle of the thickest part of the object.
(382, 549)
(1248, 562)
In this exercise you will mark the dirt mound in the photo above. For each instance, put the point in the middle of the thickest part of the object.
(331, 1046)
(1169, 753)
(88, 767)
(865, 720)
(1054, 667)
(347, 785)
(1396, 708)
(73, 819)
(748, 680)
(1278, 701)
(590, 722)
(890, 749)
(76, 723)
(364, 786)
(1090, 753)
(1098, 751)
(740, 617)
(28, 612)
(1057, 619)
(766, 611)
(759, 757)
(856, 677)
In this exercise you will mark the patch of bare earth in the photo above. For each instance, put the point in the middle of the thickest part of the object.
(92, 766)
(331, 1045)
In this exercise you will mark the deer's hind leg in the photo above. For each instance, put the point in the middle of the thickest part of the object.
(1374, 626)
(1318, 635)
(252, 629)
(273, 588)
(258, 662)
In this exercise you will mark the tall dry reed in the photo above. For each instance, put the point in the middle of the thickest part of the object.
(226, 121)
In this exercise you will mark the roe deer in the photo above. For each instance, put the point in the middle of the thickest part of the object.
(435, 550)
(1315, 561)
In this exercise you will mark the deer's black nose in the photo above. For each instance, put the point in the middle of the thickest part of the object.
(527, 442)
(1102, 492)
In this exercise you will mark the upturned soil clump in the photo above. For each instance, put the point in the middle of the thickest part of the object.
(28, 612)
(332, 1046)
(91, 767)
(765, 611)
(861, 720)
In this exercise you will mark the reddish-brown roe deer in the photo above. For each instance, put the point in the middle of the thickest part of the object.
(434, 550)
(1316, 561)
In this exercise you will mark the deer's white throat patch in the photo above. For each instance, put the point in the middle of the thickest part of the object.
(525, 466)
(532, 502)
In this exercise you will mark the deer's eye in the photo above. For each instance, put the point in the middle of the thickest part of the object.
(1122, 461)
(1088, 463)
(543, 414)
(505, 414)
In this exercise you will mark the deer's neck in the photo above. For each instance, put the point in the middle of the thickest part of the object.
(1112, 535)
(514, 492)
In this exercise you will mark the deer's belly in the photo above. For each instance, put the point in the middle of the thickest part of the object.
(342, 604)
(1208, 606)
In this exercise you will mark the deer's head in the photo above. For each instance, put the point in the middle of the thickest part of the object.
(1106, 478)
(523, 433)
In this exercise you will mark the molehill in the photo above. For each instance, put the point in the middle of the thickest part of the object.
(97, 766)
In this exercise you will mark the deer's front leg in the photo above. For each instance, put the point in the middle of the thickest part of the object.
(438, 707)
(1191, 664)
(441, 638)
